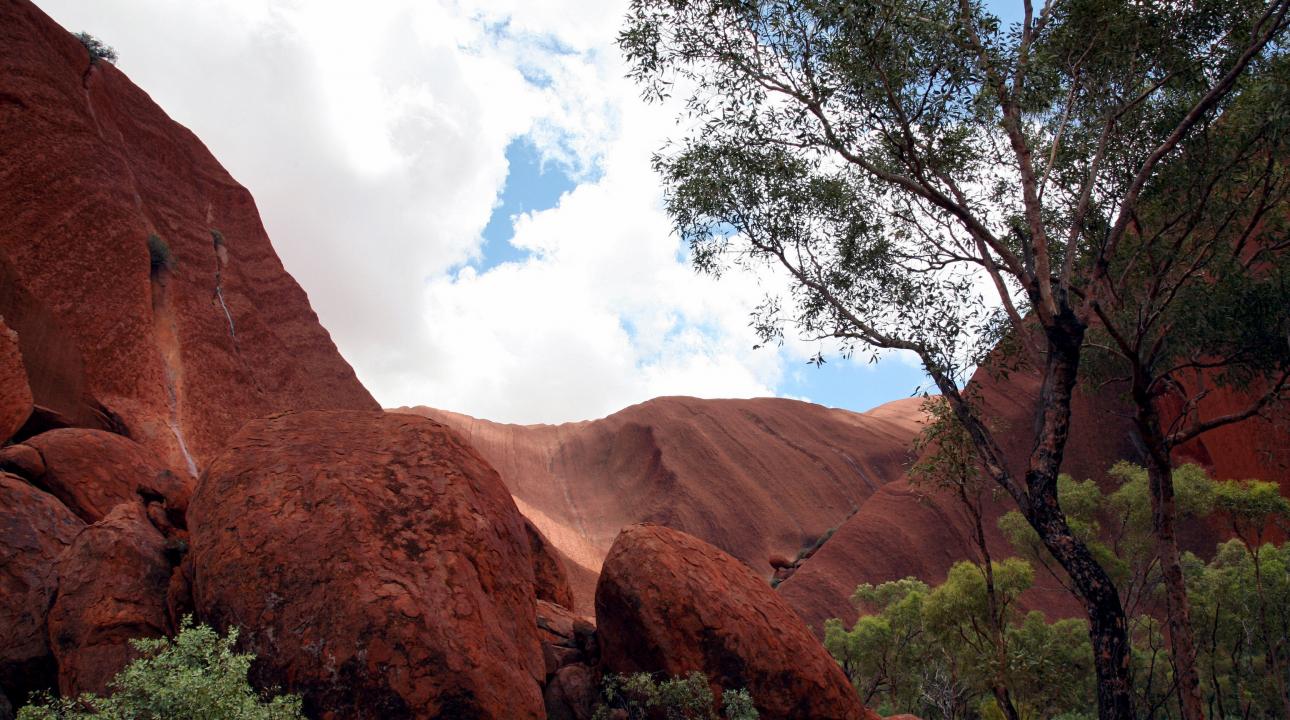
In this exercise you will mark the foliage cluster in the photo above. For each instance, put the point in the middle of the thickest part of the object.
(678, 698)
(159, 254)
(97, 48)
(929, 650)
(197, 676)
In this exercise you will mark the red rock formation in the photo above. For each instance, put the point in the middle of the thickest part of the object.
(35, 529)
(756, 478)
(667, 602)
(552, 583)
(91, 168)
(374, 562)
(15, 392)
(111, 588)
(92, 471)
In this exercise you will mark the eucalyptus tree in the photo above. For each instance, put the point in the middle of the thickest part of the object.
(1201, 301)
(932, 178)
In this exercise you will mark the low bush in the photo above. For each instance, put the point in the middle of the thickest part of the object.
(196, 675)
(159, 254)
(97, 48)
(687, 698)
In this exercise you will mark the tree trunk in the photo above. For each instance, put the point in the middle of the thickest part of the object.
(1182, 641)
(1107, 626)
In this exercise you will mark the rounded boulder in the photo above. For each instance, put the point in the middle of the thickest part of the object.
(112, 586)
(374, 563)
(671, 603)
(35, 529)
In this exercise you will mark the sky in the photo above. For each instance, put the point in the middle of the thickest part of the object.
(464, 191)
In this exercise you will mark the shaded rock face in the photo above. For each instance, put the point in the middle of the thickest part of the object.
(15, 392)
(111, 587)
(552, 583)
(91, 168)
(375, 563)
(35, 529)
(667, 602)
(756, 478)
(92, 471)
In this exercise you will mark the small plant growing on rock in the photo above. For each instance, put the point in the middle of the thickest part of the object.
(97, 48)
(677, 698)
(159, 254)
(195, 675)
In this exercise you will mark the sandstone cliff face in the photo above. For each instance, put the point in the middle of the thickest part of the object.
(756, 478)
(92, 167)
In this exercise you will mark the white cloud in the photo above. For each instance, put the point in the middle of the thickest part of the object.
(373, 138)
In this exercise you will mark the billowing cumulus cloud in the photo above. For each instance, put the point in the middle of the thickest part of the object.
(374, 139)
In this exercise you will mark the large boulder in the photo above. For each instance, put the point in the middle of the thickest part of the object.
(375, 564)
(15, 392)
(111, 587)
(93, 471)
(667, 602)
(35, 529)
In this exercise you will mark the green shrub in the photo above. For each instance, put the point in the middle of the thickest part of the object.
(159, 254)
(97, 48)
(196, 675)
(687, 698)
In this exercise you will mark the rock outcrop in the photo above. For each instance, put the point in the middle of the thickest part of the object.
(111, 588)
(375, 563)
(35, 529)
(114, 336)
(756, 478)
(15, 392)
(93, 471)
(667, 602)
(552, 582)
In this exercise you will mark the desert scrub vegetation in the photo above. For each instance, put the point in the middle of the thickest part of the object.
(159, 255)
(957, 649)
(197, 675)
(677, 698)
(97, 48)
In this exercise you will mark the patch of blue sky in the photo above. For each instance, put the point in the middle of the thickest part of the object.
(532, 185)
(852, 384)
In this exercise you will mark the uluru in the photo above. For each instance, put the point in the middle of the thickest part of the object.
(644, 360)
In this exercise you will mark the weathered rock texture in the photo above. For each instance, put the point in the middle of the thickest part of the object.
(15, 392)
(91, 168)
(375, 563)
(93, 471)
(111, 588)
(667, 602)
(35, 529)
(753, 477)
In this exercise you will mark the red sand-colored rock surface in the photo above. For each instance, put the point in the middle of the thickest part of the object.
(91, 168)
(551, 582)
(756, 478)
(92, 471)
(15, 392)
(35, 529)
(667, 602)
(375, 563)
(111, 588)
